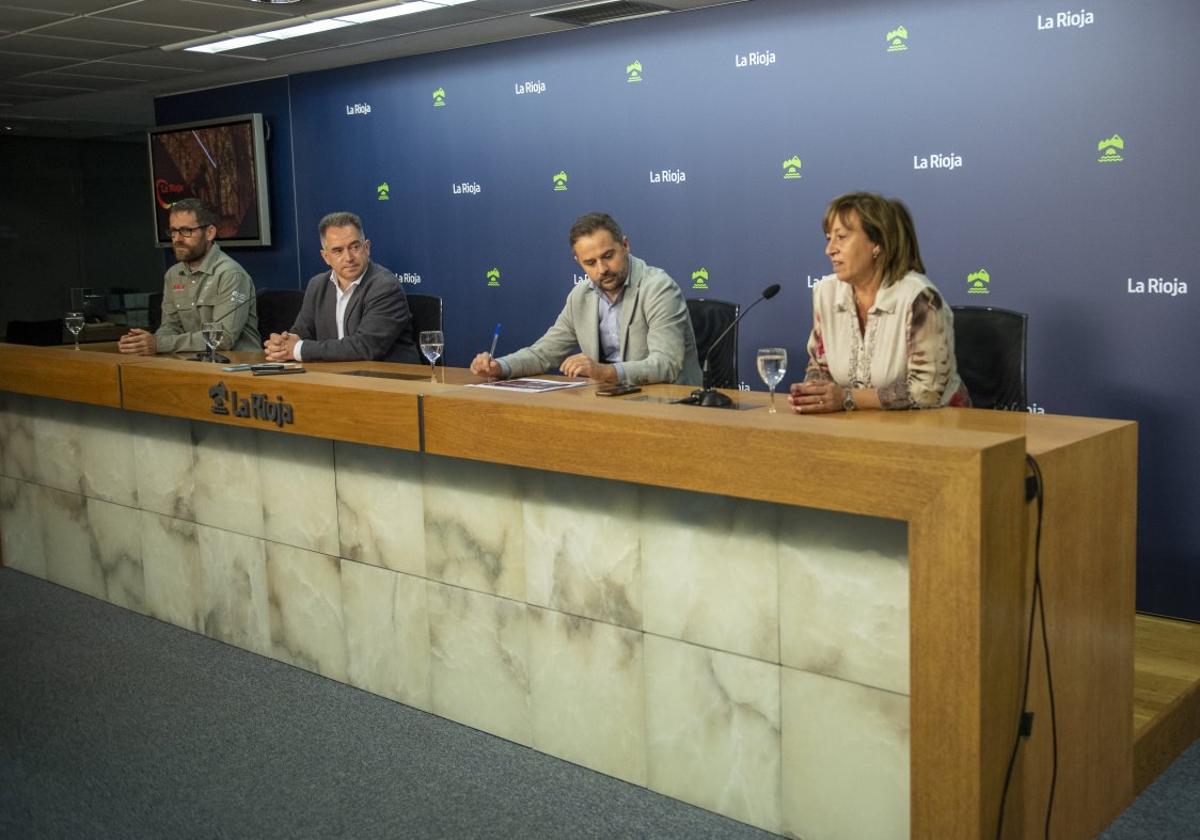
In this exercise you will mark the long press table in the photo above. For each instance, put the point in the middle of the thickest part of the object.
(815, 625)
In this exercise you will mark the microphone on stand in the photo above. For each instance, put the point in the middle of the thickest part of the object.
(214, 356)
(707, 396)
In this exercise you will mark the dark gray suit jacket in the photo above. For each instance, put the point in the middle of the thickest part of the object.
(378, 323)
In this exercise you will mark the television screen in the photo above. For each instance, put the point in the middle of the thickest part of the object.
(221, 161)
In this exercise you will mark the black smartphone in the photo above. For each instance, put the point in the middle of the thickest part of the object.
(277, 371)
(616, 390)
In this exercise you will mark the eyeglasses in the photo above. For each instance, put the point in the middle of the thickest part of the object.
(185, 232)
(353, 249)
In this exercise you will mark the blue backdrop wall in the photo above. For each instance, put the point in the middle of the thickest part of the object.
(1044, 149)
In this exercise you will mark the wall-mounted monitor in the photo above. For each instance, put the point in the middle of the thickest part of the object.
(222, 161)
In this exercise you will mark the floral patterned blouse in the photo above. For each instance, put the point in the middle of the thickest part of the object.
(906, 351)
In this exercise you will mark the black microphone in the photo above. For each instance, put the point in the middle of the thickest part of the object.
(214, 356)
(707, 396)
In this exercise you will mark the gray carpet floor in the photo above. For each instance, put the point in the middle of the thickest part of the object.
(116, 725)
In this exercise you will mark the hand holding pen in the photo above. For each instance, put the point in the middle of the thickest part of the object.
(485, 364)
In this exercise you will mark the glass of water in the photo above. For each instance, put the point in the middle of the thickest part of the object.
(432, 343)
(214, 334)
(74, 324)
(772, 365)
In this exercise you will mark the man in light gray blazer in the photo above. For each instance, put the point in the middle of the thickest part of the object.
(629, 322)
(355, 311)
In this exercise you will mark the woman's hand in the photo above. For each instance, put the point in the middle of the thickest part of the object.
(816, 397)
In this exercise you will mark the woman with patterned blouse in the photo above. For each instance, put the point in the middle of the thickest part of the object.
(883, 336)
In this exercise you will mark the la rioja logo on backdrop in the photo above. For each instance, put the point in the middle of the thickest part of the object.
(1110, 149)
(700, 278)
(633, 72)
(896, 39)
(979, 282)
(439, 98)
(493, 277)
(791, 168)
(383, 191)
(560, 182)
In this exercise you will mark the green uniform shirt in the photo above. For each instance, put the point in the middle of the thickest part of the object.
(216, 291)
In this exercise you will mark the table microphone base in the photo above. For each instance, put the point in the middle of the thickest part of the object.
(204, 357)
(707, 398)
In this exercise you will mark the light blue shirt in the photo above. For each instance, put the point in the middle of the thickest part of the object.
(608, 313)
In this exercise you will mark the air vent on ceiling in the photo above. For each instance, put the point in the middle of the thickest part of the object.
(606, 11)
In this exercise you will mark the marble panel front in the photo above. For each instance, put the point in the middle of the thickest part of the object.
(843, 594)
(479, 671)
(713, 730)
(474, 526)
(171, 565)
(845, 759)
(307, 619)
(228, 490)
(165, 465)
(17, 452)
(387, 633)
(299, 497)
(583, 547)
(22, 537)
(381, 507)
(232, 599)
(587, 693)
(117, 545)
(71, 559)
(106, 455)
(710, 571)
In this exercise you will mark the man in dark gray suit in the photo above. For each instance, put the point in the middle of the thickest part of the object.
(355, 311)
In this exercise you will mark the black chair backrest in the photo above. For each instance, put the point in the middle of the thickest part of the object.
(426, 311)
(155, 310)
(277, 310)
(709, 320)
(39, 333)
(989, 345)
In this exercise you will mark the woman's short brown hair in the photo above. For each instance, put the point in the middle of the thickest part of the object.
(888, 224)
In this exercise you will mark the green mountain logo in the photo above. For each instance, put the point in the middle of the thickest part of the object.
(700, 278)
(1110, 149)
(633, 72)
(560, 182)
(382, 190)
(896, 38)
(493, 277)
(978, 282)
(439, 98)
(791, 168)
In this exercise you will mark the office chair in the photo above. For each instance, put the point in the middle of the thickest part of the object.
(709, 319)
(426, 311)
(990, 346)
(277, 310)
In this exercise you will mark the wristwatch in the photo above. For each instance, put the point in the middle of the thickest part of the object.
(848, 400)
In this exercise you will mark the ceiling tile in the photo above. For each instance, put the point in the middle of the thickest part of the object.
(68, 7)
(72, 48)
(91, 82)
(12, 64)
(140, 72)
(14, 20)
(41, 89)
(117, 32)
(179, 58)
(197, 15)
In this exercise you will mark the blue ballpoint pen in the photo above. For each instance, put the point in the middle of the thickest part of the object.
(495, 338)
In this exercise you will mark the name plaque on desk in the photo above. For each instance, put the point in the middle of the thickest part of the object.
(229, 403)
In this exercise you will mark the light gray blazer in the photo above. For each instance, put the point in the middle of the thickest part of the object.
(657, 342)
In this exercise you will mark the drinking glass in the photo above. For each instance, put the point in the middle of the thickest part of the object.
(432, 343)
(74, 323)
(772, 365)
(213, 333)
